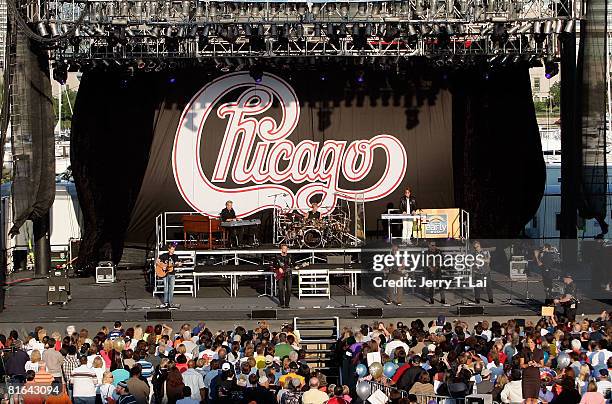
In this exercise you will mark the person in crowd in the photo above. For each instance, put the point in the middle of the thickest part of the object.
(531, 360)
(422, 387)
(138, 388)
(15, 361)
(592, 396)
(314, 395)
(84, 381)
(513, 390)
(569, 299)
(106, 389)
(54, 360)
(604, 386)
(194, 380)
(32, 364)
(123, 394)
(187, 397)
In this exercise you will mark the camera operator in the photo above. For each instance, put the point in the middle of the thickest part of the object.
(545, 260)
(14, 362)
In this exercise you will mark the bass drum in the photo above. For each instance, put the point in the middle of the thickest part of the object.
(312, 238)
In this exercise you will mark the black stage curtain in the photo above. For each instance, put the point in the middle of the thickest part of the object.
(123, 128)
(110, 141)
(33, 186)
(499, 169)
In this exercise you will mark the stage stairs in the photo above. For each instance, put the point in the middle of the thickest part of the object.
(183, 283)
(313, 283)
(318, 338)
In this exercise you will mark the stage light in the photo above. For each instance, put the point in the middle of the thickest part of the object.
(551, 69)
(558, 26)
(171, 80)
(53, 28)
(256, 72)
(548, 27)
(42, 29)
(569, 27)
(140, 64)
(525, 28)
(60, 72)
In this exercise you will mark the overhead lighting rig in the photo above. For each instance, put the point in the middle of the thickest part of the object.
(185, 29)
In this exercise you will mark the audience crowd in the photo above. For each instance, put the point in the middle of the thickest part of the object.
(510, 362)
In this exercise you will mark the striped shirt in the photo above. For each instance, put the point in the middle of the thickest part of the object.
(43, 378)
(84, 382)
(147, 368)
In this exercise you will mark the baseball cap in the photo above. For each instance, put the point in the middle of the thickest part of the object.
(122, 384)
(263, 380)
(269, 359)
(485, 372)
(293, 365)
(226, 366)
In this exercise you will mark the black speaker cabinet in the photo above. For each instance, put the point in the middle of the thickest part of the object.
(470, 310)
(376, 312)
(158, 315)
(263, 314)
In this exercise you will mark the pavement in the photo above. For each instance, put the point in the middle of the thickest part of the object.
(93, 305)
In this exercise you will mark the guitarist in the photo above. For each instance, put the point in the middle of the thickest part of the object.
(172, 260)
(282, 270)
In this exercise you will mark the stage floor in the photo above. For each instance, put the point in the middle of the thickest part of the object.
(26, 302)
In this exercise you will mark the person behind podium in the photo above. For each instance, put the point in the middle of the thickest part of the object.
(229, 215)
(407, 206)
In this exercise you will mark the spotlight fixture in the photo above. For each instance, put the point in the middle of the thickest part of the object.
(551, 69)
(60, 72)
(42, 29)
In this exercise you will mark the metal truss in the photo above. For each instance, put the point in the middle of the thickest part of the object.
(203, 29)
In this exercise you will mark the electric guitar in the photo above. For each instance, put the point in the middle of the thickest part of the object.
(280, 273)
(162, 269)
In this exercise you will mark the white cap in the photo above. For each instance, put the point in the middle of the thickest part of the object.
(226, 366)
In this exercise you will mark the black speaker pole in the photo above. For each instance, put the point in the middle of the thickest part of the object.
(42, 245)
(571, 152)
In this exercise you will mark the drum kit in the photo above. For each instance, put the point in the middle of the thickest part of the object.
(330, 231)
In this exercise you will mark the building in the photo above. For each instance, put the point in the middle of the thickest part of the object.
(540, 85)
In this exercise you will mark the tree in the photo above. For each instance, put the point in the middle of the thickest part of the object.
(66, 113)
(555, 94)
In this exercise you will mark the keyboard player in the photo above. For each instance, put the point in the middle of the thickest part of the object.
(229, 215)
(407, 206)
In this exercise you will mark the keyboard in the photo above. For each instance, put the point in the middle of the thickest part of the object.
(400, 216)
(240, 223)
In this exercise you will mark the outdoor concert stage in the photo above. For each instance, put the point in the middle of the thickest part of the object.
(102, 303)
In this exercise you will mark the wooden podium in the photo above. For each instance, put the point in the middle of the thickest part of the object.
(205, 230)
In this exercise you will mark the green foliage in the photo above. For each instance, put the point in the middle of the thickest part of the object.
(540, 106)
(555, 94)
(66, 114)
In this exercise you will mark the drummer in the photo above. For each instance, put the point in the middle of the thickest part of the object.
(313, 215)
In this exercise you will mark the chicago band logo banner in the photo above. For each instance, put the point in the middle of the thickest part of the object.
(255, 145)
(289, 140)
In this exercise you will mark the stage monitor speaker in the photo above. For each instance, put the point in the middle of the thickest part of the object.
(263, 314)
(338, 259)
(470, 310)
(479, 399)
(158, 315)
(370, 312)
